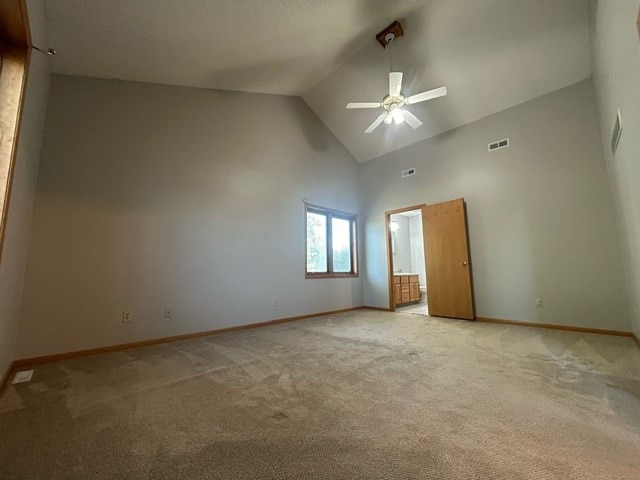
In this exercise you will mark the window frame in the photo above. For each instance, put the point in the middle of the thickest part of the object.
(330, 213)
(15, 53)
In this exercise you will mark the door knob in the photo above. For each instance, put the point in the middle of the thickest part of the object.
(464, 262)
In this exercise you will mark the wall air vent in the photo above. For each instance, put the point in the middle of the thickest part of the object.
(408, 172)
(504, 143)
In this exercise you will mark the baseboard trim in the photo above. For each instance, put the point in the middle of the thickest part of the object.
(7, 375)
(379, 309)
(26, 362)
(553, 326)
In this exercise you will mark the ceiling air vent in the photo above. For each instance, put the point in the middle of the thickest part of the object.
(408, 172)
(504, 143)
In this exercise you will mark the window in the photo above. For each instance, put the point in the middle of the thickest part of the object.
(14, 59)
(331, 243)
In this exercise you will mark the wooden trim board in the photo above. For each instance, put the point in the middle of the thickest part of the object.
(379, 309)
(25, 362)
(13, 84)
(405, 209)
(552, 326)
(4, 381)
(14, 23)
(15, 48)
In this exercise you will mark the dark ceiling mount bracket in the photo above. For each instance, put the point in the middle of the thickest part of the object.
(388, 34)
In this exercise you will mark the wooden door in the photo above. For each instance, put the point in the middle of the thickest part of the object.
(447, 260)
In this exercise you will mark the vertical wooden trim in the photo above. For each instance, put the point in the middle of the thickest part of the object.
(638, 26)
(423, 214)
(15, 47)
(355, 264)
(306, 240)
(13, 82)
(469, 259)
(14, 23)
(329, 243)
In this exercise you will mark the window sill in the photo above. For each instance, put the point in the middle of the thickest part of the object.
(331, 275)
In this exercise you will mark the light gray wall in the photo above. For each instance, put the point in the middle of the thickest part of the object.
(14, 253)
(416, 240)
(616, 72)
(154, 196)
(402, 257)
(540, 212)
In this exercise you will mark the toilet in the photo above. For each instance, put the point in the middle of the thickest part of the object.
(423, 294)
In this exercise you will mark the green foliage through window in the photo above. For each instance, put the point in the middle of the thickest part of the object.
(331, 244)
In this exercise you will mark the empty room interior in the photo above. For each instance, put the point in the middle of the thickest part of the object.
(290, 239)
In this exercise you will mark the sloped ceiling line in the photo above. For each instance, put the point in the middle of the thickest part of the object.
(491, 54)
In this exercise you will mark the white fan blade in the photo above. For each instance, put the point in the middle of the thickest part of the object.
(411, 119)
(428, 95)
(364, 105)
(395, 83)
(375, 124)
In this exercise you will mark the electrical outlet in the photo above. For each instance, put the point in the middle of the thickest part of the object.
(168, 312)
(275, 302)
(539, 302)
(126, 316)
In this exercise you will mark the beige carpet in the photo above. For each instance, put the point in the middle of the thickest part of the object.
(363, 395)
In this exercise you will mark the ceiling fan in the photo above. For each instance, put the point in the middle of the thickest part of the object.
(394, 102)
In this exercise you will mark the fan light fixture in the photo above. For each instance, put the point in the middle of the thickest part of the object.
(394, 102)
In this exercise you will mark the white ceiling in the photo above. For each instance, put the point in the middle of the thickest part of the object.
(491, 54)
(268, 46)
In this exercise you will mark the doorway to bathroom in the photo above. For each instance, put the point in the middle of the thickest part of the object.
(409, 278)
(447, 284)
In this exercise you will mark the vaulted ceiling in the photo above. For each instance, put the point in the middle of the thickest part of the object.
(491, 54)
